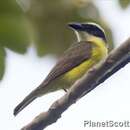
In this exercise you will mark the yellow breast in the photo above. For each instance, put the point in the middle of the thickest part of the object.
(99, 52)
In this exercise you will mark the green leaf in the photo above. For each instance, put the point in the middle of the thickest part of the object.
(13, 27)
(124, 3)
(10, 7)
(2, 62)
(13, 34)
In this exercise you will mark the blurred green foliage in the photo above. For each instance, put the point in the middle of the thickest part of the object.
(45, 23)
(13, 33)
(50, 18)
(2, 61)
(124, 3)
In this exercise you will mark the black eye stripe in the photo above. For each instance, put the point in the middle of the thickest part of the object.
(94, 30)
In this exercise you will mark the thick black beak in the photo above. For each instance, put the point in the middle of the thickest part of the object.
(76, 26)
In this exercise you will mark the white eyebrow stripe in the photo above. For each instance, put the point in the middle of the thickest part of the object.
(91, 23)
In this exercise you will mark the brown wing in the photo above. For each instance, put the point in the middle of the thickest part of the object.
(71, 58)
(74, 56)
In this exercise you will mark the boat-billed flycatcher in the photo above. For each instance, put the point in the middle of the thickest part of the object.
(90, 49)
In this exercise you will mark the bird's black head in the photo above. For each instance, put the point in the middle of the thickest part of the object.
(90, 28)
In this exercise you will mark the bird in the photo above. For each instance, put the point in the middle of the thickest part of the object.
(90, 49)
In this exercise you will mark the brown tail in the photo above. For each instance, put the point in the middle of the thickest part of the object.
(24, 103)
(32, 96)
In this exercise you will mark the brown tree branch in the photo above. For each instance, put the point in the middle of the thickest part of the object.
(118, 58)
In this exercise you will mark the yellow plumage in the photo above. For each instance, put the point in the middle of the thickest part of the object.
(99, 52)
